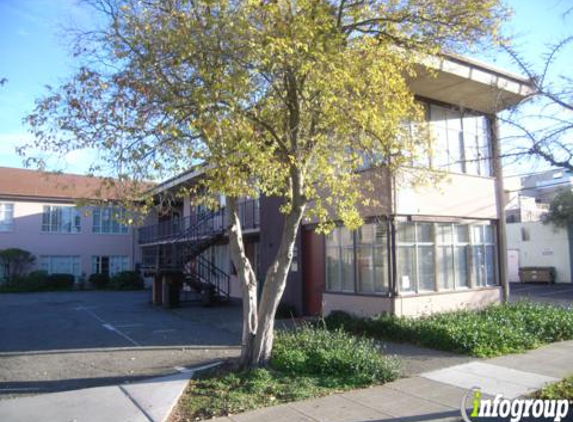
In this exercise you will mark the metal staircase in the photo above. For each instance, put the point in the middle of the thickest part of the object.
(178, 249)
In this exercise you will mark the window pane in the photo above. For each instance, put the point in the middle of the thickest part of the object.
(444, 234)
(407, 268)
(445, 267)
(425, 233)
(426, 268)
(479, 269)
(461, 232)
(347, 272)
(381, 271)
(488, 234)
(406, 232)
(483, 146)
(461, 264)
(366, 272)
(490, 265)
(332, 269)
(478, 234)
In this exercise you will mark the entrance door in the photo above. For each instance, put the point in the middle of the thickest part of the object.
(313, 271)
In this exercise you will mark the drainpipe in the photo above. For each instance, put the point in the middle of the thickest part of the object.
(500, 201)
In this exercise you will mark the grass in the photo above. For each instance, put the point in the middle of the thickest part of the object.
(558, 390)
(307, 362)
(493, 331)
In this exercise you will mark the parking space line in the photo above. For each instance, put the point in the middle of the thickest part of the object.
(168, 330)
(110, 327)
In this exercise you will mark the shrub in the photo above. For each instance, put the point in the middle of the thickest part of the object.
(36, 280)
(39, 281)
(58, 281)
(493, 331)
(126, 280)
(33, 282)
(17, 261)
(99, 280)
(337, 357)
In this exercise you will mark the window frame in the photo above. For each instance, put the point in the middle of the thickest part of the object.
(353, 247)
(6, 227)
(54, 219)
(115, 226)
(75, 263)
(479, 137)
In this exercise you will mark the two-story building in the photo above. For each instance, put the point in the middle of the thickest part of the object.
(422, 250)
(38, 213)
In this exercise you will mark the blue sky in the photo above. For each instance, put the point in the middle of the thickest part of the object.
(35, 53)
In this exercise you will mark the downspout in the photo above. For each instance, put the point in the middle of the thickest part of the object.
(570, 236)
(392, 246)
(500, 203)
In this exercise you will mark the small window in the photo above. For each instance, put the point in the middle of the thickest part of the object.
(525, 234)
(6, 217)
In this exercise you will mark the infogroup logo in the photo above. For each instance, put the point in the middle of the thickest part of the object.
(501, 409)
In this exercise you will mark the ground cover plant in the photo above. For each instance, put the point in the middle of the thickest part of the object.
(306, 362)
(493, 331)
(557, 390)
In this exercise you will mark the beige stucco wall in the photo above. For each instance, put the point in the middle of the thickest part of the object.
(414, 305)
(548, 247)
(455, 196)
(353, 304)
(418, 305)
(27, 234)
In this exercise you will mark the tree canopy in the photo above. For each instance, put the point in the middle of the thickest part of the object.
(254, 89)
(275, 97)
(561, 209)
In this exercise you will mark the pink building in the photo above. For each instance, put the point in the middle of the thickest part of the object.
(38, 213)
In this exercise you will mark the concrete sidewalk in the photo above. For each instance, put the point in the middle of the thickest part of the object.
(431, 396)
(148, 401)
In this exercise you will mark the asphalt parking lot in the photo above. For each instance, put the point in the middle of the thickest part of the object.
(66, 340)
(555, 294)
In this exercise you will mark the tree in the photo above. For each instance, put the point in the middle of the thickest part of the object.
(561, 209)
(280, 98)
(545, 133)
(17, 261)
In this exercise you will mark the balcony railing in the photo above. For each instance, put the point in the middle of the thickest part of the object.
(201, 224)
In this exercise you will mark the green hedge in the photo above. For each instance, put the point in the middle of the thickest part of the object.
(99, 280)
(493, 331)
(39, 281)
(126, 280)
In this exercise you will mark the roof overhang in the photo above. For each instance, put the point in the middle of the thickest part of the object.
(469, 84)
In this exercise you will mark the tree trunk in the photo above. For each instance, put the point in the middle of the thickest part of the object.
(248, 281)
(275, 283)
(258, 322)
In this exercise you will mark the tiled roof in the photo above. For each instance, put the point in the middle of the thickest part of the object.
(16, 182)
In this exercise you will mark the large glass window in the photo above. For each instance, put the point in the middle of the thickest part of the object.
(109, 220)
(110, 265)
(461, 141)
(483, 255)
(61, 264)
(6, 217)
(61, 219)
(416, 268)
(357, 261)
(447, 253)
